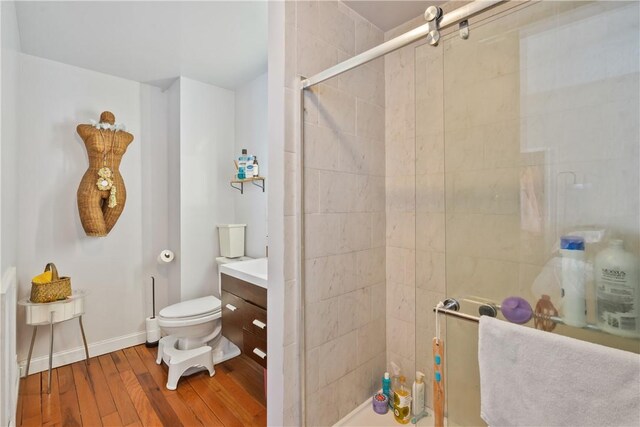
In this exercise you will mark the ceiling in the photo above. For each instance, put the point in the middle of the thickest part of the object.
(388, 14)
(223, 43)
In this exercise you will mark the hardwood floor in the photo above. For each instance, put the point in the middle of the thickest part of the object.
(127, 388)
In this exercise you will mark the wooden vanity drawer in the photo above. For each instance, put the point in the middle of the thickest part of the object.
(247, 291)
(255, 320)
(232, 313)
(255, 348)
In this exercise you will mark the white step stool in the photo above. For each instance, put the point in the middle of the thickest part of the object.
(183, 362)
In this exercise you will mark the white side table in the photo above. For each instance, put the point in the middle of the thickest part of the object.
(50, 313)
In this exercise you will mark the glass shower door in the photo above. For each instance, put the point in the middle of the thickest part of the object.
(525, 132)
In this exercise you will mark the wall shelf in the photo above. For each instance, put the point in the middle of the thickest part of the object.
(238, 184)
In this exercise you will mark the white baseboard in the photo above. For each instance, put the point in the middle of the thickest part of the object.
(39, 364)
(14, 404)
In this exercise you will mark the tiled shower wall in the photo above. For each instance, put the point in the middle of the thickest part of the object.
(345, 213)
(400, 188)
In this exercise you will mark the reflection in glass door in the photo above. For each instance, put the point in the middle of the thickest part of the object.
(525, 132)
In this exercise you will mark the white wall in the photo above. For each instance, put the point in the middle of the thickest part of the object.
(8, 211)
(251, 133)
(8, 147)
(206, 166)
(276, 296)
(173, 189)
(54, 99)
(157, 196)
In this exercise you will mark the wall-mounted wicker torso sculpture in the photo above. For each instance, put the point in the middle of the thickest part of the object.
(101, 194)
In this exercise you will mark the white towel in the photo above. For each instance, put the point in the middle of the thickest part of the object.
(534, 378)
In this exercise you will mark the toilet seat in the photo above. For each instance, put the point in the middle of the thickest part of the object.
(194, 308)
(188, 321)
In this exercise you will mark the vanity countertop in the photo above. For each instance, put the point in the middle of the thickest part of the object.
(252, 271)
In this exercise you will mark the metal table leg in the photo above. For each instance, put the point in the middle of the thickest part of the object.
(33, 340)
(84, 340)
(50, 355)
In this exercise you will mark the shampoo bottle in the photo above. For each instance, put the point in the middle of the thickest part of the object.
(386, 386)
(574, 302)
(417, 404)
(617, 290)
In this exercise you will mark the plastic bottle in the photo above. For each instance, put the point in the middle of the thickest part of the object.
(242, 165)
(256, 172)
(417, 404)
(402, 402)
(395, 382)
(386, 386)
(617, 290)
(249, 172)
(574, 302)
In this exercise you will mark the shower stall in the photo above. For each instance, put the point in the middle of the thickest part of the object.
(447, 162)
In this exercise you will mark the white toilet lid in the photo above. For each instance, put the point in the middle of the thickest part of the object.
(192, 307)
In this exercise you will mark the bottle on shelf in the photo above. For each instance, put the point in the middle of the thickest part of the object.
(256, 172)
(242, 164)
(574, 302)
(617, 290)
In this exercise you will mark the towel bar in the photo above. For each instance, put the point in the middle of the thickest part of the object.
(450, 307)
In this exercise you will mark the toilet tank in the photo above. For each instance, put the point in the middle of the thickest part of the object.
(231, 240)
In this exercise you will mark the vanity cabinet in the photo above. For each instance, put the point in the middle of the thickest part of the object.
(244, 317)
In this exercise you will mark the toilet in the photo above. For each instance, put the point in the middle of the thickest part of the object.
(193, 338)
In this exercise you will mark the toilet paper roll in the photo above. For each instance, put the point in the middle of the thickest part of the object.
(165, 256)
(153, 329)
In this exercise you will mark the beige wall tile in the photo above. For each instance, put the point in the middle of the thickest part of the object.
(336, 109)
(401, 193)
(336, 27)
(290, 239)
(400, 155)
(311, 190)
(323, 235)
(401, 302)
(430, 270)
(322, 406)
(353, 389)
(312, 368)
(430, 192)
(355, 310)
(489, 236)
(337, 358)
(290, 181)
(322, 322)
(430, 152)
(401, 341)
(369, 194)
(370, 121)
(329, 277)
(313, 54)
(291, 313)
(366, 82)
(357, 231)
(378, 229)
(401, 229)
(430, 232)
(337, 191)
(370, 267)
(371, 340)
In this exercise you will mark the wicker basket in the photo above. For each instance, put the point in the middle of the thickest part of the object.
(59, 287)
